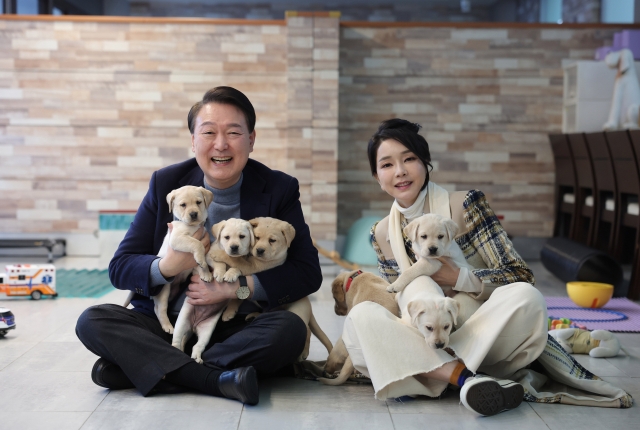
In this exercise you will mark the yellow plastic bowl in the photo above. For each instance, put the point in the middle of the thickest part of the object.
(589, 294)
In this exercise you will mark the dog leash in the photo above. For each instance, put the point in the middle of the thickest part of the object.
(346, 288)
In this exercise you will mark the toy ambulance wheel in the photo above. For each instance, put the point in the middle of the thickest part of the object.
(36, 295)
(3, 332)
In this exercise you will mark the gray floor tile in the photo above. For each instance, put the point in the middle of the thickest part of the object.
(292, 420)
(55, 357)
(27, 390)
(599, 366)
(132, 400)
(563, 417)
(20, 420)
(11, 349)
(458, 417)
(154, 420)
(295, 395)
(45, 380)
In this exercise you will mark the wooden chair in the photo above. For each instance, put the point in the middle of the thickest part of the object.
(564, 188)
(634, 285)
(605, 192)
(625, 168)
(584, 222)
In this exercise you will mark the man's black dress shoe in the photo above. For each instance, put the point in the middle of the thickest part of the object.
(240, 384)
(108, 375)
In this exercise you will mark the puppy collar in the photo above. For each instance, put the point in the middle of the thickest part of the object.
(348, 285)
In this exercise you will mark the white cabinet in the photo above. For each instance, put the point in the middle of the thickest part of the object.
(588, 88)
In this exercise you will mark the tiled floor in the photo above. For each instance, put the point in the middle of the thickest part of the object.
(45, 384)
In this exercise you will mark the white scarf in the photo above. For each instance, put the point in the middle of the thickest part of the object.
(438, 204)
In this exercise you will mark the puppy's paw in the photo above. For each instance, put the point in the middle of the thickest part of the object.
(391, 289)
(228, 315)
(206, 276)
(168, 328)
(218, 276)
(177, 345)
(251, 316)
(232, 275)
(196, 354)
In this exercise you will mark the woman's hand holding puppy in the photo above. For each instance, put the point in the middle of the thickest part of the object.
(447, 275)
(175, 262)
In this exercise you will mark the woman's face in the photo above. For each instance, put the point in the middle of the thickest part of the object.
(399, 172)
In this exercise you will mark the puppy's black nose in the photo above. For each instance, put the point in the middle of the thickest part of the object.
(440, 345)
(234, 248)
(433, 250)
(193, 215)
(260, 251)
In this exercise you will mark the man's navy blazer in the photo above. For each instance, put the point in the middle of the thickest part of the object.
(264, 192)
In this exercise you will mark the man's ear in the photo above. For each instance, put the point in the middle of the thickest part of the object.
(451, 227)
(216, 230)
(453, 307)
(170, 198)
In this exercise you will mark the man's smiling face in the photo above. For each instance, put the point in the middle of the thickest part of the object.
(222, 143)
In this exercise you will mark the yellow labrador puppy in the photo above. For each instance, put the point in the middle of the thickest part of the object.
(424, 306)
(432, 236)
(189, 206)
(303, 309)
(270, 251)
(349, 289)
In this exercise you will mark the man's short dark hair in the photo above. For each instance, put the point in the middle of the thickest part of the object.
(225, 96)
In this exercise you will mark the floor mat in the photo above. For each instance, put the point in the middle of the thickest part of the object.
(82, 283)
(619, 314)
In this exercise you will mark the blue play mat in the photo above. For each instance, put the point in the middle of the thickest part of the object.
(82, 283)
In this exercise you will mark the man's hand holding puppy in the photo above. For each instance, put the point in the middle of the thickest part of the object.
(175, 262)
(209, 293)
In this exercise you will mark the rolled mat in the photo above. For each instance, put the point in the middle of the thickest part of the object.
(573, 261)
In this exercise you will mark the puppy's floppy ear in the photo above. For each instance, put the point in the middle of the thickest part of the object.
(289, 232)
(451, 227)
(254, 222)
(252, 236)
(216, 229)
(415, 308)
(338, 293)
(170, 198)
(412, 229)
(207, 196)
(453, 307)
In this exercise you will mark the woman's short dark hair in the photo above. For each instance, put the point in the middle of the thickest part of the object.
(225, 96)
(404, 132)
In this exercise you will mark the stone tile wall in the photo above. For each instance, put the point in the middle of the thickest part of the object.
(486, 98)
(90, 108)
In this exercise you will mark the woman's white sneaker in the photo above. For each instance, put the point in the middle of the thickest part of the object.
(486, 395)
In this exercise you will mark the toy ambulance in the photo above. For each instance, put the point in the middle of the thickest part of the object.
(29, 280)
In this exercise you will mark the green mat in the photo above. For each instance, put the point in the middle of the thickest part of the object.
(82, 283)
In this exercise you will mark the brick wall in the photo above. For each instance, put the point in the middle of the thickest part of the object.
(486, 98)
(89, 109)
